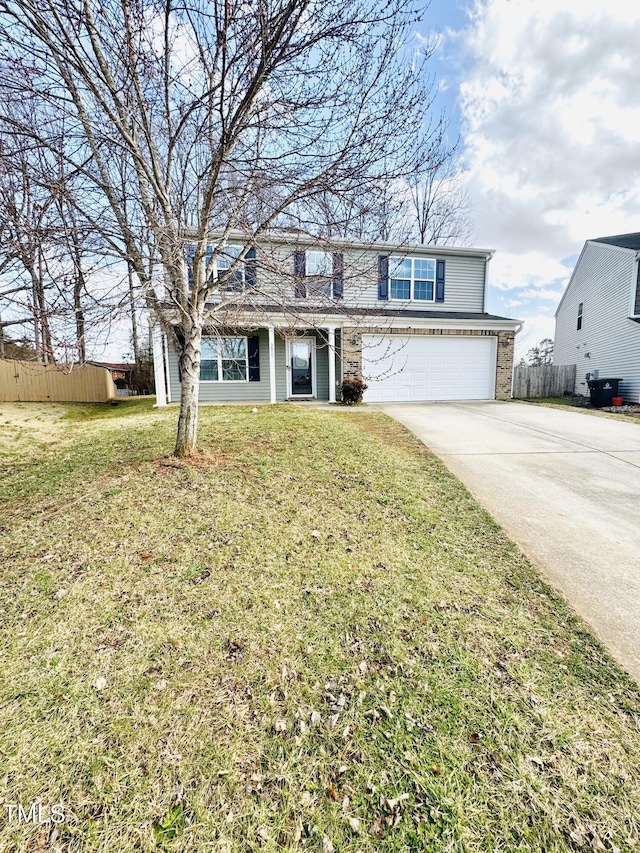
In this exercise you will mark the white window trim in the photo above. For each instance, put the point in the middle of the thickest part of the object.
(326, 278)
(222, 381)
(239, 268)
(412, 281)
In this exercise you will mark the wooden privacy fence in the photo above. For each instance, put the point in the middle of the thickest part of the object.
(30, 381)
(545, 380)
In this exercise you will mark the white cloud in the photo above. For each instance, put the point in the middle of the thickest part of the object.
(536, 328)
(534, 270)
(550, 114)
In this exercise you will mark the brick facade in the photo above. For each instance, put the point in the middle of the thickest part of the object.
(504, 367)
(352, 350)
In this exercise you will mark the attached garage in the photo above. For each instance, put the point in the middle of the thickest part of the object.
(428, 367)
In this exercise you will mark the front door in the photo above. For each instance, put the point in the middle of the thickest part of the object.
(301, 363)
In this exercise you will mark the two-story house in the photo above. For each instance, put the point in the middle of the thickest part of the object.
(298, 316)
(598, 318)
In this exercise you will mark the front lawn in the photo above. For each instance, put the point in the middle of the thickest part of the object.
(309, 637)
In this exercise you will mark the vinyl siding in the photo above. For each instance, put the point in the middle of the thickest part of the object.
(228, 392)
(254, 392)
(464, 282)
(604, 281)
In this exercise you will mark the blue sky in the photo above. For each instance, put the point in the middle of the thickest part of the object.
(546, 100)
(545, 97)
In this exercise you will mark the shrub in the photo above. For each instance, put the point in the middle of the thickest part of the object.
(352, 390)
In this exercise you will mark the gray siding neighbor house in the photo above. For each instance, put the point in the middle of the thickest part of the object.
(598, 318)
(298, 315)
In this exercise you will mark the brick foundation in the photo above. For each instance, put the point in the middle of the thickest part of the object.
(352, 350)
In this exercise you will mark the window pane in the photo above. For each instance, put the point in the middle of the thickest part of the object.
(234, 347)
(399, 267)
(233, 281)
(318, 263)
(423, 290)
(227, 257)
(424, 269)
(319, 287)
(209, 371)
(209, 349)
(400, 288)
(233, 370)
(209, 360)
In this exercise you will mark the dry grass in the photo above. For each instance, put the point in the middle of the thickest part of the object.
(26, 429)
(308, 638)
(585, 408)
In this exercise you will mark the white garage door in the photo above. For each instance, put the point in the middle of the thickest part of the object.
(428, 367)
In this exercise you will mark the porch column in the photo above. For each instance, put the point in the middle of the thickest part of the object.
(158, 368)
(272, 363)
(331, 340)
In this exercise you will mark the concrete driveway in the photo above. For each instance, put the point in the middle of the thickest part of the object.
(565, 486)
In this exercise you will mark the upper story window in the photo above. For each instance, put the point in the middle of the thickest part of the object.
(318, 274)
(319, 263)
(580, 307)
(242, 275)
(230, 279)
(412, 278)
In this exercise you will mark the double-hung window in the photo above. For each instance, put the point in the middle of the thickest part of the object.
(319, 273)
(412, 278)
(580, 308)
(232, 280)
(224, 360)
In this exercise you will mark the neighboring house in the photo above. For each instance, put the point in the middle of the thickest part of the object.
(598, 318)
(121, 373)
(298, 316)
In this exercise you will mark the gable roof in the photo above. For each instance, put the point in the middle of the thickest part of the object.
(620, 241)
(624, 241)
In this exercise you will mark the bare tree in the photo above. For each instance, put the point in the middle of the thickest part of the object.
(228, 115)
(25, 214)
(440, 209)
(47, 253)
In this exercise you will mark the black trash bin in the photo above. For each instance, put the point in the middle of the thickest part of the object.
(602, 391)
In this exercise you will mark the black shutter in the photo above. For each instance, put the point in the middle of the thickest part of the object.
(440, 281)
(383, 276)
(209, 271)
(254, 358)
(300, 272)
(190, 252)
(250, 271)
(338, 275)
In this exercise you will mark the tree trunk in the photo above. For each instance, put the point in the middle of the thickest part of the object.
(78, 286)
(190, 370)
(40, 308)
(134, 324)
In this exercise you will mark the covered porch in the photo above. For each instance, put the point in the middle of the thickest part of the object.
(271, 363)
